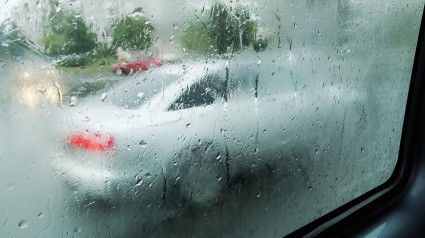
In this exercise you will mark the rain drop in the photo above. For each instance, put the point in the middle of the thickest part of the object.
(73, 101)
(23, 224)
(218, 156)
(104, 95)
(142, 143)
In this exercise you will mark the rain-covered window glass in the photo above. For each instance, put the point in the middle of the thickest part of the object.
(220, 118)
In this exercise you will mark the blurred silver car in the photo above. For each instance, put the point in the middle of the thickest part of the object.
(182, 134)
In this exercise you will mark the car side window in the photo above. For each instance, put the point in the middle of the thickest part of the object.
(201, 93)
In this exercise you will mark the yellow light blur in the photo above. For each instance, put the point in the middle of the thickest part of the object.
(39, 88)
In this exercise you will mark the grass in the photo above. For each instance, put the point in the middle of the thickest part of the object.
(99, 65)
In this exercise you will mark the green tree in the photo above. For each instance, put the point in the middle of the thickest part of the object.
(222, 30)
(134, 33)
(68, 34)
(196, 38)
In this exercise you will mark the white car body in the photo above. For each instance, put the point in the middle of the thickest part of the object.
(191, 155)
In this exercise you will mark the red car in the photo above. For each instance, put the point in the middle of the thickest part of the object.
(135, 66)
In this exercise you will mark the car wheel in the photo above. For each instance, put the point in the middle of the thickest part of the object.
(203, 173)
(119, 72)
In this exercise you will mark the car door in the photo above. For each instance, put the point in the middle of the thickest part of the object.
(280, 114)
(201, 159)
(241, 119)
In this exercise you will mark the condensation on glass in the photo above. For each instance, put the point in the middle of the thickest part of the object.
(220, 118)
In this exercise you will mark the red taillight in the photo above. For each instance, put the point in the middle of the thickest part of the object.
(94, 141)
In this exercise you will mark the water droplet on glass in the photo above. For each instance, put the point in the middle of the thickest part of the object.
(218, 156)
(316, 151)
(259, 194)
(42, 89)
(23, 224)
(140, 95)
(104, 95)
(73, 101)
(142, 143)
(40, 215)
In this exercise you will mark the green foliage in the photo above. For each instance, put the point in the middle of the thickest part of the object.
(103, 51)
(134, 33)
(68, 34)
(53, 43)
(100, 54)
(96, 65)
(260, 44)
(222, 30)
(75, 60)
(196, 38)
